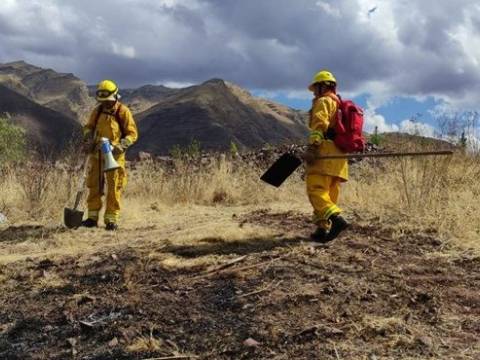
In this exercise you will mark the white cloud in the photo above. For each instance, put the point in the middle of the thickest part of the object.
(373, 120)
(299, 94)
(176, 84)
(123, 50)
(329, 9)
(417, 128)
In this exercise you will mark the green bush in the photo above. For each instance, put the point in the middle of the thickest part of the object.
(12, 142)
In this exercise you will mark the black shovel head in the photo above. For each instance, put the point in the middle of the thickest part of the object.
(281, 169)
(72, 218)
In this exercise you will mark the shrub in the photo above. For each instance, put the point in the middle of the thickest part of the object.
(12, 142)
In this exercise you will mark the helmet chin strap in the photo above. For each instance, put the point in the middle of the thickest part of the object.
(107, 105)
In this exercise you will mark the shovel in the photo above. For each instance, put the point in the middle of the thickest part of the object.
(72, 217)
(281, 169)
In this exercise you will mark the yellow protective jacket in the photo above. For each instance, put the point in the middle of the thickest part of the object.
(111, 126)
(323, 117)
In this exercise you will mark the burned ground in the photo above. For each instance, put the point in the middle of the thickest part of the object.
(374, 293)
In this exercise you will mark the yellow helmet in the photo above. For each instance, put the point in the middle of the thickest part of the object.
(322, 76)
(107, 90)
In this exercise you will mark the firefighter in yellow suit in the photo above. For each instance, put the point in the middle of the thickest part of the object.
(113, 120)
(323, 177)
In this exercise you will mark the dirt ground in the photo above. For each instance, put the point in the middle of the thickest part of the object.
(374, 293)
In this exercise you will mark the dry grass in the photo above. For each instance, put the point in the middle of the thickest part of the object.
(189, 201)
(421, 193)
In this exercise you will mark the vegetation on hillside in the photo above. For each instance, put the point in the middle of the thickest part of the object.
(12, 142)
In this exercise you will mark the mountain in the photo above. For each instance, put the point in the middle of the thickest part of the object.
(47, 130)
(216, 114)
(143, 98)
(63, 93)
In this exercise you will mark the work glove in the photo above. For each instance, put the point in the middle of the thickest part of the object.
(310, 154)
(121, 147)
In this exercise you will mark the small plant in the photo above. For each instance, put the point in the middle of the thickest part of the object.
(176, 152)
(233, 149)
(194, 149)
(376, 138)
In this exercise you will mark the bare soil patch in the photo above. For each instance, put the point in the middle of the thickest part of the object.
(371, 294)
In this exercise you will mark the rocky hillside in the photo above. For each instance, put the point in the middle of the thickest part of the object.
(145, 97)
(47, 130)
(216, 114)
(63, 93)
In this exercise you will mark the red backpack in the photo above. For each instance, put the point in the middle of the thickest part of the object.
(348, 129)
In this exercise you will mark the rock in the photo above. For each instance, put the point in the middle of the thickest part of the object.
(113, 342)
(3, 218)
(251, 343)
(144, 156)
(425, 341)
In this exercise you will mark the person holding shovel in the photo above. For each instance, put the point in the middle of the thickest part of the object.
(324, 176)
(114, 121)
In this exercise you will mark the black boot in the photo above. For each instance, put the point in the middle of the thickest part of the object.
(111, 226)
(338, 225)
(320, 235)
(89, 223)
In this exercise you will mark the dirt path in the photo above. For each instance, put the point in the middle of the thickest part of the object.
(372, 294)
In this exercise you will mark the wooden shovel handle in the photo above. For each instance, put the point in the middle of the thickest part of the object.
(81, 184)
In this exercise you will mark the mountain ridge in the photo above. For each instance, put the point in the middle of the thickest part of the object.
(215, 113)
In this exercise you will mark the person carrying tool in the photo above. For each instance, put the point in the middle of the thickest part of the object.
(324, 176)
(114, 121)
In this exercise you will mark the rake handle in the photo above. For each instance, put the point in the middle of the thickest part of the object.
(389, 154)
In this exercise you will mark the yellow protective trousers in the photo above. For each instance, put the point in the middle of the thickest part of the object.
(323, 192)
(115, 182)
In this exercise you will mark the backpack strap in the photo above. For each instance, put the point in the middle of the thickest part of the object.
(118, 118)
(330, 134)
(337, 98)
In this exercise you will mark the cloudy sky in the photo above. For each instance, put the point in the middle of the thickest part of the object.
(399, 59)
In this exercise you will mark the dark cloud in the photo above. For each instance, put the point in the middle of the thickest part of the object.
(411, 48)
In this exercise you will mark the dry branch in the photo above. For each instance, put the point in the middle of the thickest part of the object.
(174, 357)
(226, 269)
(268, 287)
(227, 264)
